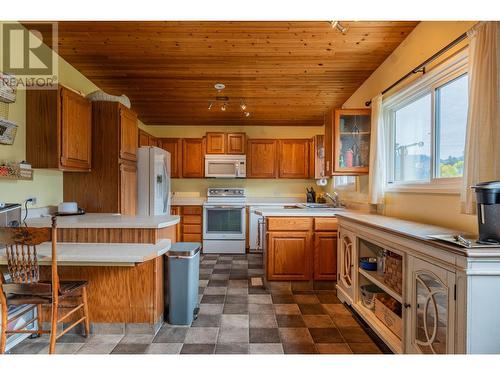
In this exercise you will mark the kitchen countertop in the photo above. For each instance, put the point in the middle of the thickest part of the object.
(251, 201)
(323, 212)
(417, 231)
(93, 220)
(95, 254)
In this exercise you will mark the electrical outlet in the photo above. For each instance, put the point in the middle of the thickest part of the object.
(32, 200)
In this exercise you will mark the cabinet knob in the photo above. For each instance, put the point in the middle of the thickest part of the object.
(407, 305)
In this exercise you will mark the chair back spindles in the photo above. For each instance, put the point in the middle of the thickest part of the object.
(21, 252)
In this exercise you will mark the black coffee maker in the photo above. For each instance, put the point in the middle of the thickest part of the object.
(488, 211)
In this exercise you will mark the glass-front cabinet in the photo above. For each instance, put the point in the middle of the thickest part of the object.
(352, 141)
(432, 305)
(345, 263)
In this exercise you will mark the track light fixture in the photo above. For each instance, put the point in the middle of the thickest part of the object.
(338, 26)
(222, 101)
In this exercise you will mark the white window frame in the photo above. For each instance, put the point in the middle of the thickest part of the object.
(447, 71)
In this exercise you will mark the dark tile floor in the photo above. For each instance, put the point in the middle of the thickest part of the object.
(237, 317)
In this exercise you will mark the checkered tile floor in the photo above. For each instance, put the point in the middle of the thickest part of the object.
(237, 318)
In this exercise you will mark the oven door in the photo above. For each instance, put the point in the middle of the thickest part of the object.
(223, 222)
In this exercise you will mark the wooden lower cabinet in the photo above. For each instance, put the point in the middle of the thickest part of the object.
(289, 256)
(190, 228)
(296, 251)
(325, 256)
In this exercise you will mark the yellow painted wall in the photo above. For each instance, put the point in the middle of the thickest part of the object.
(255, 188)
(423, 42)
(47, 185)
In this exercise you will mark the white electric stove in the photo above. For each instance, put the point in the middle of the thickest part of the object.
(224, 221)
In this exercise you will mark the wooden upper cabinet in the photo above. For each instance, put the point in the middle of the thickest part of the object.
(128, 134)
(128, 188)
(216, 143)
(58, 130)
(289, 256)
(143, 139)
(235, 143)
(352, 141)
(325, 256)
(193, 151)
(174, 147)
(262, 158)
(329, 143)
(76, 131)
(153, 141)
(294, 158)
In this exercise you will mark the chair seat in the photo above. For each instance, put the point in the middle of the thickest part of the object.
(66, 288)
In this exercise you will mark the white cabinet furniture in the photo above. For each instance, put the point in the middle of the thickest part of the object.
(431, 320)
(346, 256)
(446, 301)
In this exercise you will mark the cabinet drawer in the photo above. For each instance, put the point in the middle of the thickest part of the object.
(191, 219)
(193, 229)
(325, 223)
(289, 223)
(191, 210)
(190, 237)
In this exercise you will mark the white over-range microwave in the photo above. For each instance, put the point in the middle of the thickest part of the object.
(226, 166)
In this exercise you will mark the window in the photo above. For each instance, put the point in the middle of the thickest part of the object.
(426, 125)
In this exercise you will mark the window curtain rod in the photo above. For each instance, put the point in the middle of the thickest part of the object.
(421, 67)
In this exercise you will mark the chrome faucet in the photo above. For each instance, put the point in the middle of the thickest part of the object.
(335, 199)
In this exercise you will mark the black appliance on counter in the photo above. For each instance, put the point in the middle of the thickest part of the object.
(488, 211)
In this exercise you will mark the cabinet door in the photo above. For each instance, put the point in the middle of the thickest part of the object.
(325, 256)
(235, 143)
(216, 143)
(174, 146)
(153, 141)
(346, 264)
(176, 210)
(143, 139)
(352, 140)
(262, 158)
(128, 134)
(192, 160)
(432, 308)
(128, 188)
(289, 256)
(329, 143)
(76, 131)
(294, 158)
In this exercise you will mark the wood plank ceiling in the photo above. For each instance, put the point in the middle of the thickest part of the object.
(288, 73)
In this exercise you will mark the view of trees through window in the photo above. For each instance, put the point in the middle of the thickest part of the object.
(413, 143)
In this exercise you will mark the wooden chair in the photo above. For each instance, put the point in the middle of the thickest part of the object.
(24, 286)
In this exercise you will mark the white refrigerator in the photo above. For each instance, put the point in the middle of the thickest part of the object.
(153, 181)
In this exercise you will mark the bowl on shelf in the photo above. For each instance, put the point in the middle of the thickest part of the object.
(368, 263)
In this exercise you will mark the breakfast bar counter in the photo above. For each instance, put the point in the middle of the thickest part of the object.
(121, 257)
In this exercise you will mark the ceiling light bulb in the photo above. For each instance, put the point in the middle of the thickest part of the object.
(247, 114)
(338, 26)
(243, 106)
(223, 107)
(210, 104)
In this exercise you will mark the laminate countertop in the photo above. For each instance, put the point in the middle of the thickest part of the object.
(93, 220)
(289, 212)
(419, 232)
(98, 254)
(251, 201)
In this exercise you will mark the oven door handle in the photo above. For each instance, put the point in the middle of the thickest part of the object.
(224, 207)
